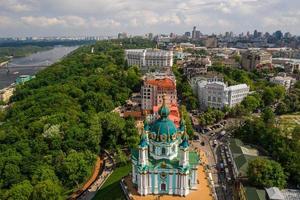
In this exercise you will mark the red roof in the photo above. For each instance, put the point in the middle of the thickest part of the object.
(174, 113)
(165, 83)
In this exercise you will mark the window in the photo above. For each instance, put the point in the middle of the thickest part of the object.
(163, 187)
(153, 149)
(163, 151)
(173, 148)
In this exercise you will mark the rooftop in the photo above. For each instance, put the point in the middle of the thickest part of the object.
(165, 83)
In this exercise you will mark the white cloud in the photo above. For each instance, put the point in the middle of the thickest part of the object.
(16, 5)
(42, 21)
(5, 21)
(140, 16)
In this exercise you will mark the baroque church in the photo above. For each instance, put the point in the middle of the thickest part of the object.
(163, 164)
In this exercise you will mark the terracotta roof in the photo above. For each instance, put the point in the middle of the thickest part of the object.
(165, 83)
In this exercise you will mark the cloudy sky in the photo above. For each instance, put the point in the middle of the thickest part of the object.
(108, 17)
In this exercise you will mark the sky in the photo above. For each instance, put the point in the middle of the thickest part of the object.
(136, 17)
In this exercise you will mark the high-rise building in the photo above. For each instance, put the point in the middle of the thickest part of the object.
(122, 35)
(187, 34)
(198, 35)
(194, 33)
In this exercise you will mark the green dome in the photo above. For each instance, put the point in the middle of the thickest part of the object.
(164, 126)
(163, 129)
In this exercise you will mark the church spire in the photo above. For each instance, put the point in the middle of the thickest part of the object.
(164, 110)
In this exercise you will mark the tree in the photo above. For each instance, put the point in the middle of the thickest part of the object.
(266, 173)
(11, 174)
(250, 103)
(44, 172)
(47, 190)
(268, 96)
(281, 108)
(76, 167)
(20, 191)
(296, 133)
(279, 92)
(268, 115)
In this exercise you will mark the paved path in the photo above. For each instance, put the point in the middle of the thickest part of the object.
(107, 171)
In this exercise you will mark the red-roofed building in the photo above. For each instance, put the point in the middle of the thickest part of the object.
(153, 90)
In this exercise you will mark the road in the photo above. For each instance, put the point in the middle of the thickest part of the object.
(216, 154)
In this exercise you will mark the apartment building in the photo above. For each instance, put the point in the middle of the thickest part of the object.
(217, 94)
(149, 58)
(153, 90)
(256, 59)
(282, 79)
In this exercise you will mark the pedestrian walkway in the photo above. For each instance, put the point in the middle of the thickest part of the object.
(91, 191)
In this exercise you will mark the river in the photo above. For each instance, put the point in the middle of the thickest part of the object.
(30, 65)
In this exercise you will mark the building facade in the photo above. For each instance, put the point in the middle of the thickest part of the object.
(163, 164)
(286, 81)
(148, 59)
(256, 59)
(218, 94)
(153, 90)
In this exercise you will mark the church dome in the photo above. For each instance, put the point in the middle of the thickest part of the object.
(163, 129)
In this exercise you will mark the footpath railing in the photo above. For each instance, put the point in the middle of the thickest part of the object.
(124, 188)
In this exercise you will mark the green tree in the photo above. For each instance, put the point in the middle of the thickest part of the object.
(268, 96)
(11, 174)
(296, 133)
(76, 167)
(20, 191)
(44, 172)
(251, 103)
(268, 115)
(266, 173)
(47, 190)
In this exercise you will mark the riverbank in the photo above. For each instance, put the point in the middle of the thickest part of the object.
(30, 65)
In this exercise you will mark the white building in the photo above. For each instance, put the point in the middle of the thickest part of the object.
(285, 81)
(217, 94)
(149, 58)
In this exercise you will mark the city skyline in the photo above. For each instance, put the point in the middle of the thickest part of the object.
(102, 17)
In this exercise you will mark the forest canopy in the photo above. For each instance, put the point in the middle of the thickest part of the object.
(60, 121)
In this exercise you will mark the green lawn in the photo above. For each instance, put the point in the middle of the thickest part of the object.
(111, 190)
(289, 122)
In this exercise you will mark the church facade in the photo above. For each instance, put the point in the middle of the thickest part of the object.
(163, 164)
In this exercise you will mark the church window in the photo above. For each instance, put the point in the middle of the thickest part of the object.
(163, 187)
